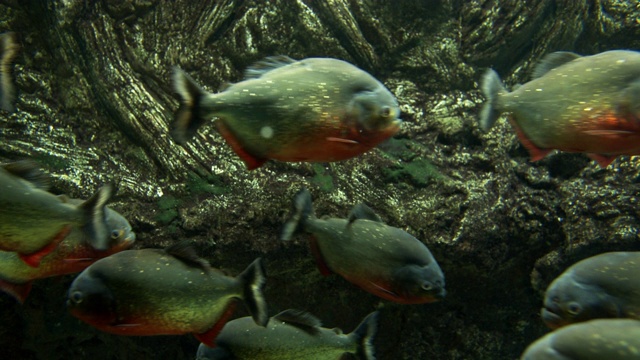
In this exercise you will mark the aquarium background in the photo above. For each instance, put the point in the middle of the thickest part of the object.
(95, 99)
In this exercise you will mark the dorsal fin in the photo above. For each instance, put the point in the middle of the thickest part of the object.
(184, 252)
(362, 211)
(30, 171)
(552, 61)
(301, 320)
(267, 64)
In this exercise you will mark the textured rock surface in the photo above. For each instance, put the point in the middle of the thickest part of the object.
(95, 99)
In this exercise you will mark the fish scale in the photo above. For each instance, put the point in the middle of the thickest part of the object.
(316, 109)
(588, 104)
(163, 292)
(381, 259)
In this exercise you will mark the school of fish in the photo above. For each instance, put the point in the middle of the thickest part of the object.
(321, 110)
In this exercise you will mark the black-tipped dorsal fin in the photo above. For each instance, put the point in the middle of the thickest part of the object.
(301, 320)
(29, 171)
(267, 64)
(553, 61)
(362, 211)
(185, 252)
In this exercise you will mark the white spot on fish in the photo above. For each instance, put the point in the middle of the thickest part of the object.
(538, 90)
(266, 132)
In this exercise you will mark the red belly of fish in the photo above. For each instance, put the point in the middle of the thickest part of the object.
(383, 289)
(608, 134)
(331, 146)
(602, 133)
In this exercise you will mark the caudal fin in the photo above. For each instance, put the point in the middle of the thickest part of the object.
(302, 209)
(8, 50)
(491, 86)
(95, 228)
(253, 279)
(363, 335)
(189, 117)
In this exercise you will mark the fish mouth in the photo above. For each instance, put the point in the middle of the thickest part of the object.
(552, 319)
(439, 294)
(435, 295)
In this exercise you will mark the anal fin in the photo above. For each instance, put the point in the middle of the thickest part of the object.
(208, 337)
(250, 161)
(535, 152)
(602, 160)
(18, 291)
(317, 254)
(35, 258)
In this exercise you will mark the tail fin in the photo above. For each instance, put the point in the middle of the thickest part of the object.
(95, 228)
(363, 335)
(189, 117)
(302, 209)
(491, 88)
(253, 279)
(8, 51)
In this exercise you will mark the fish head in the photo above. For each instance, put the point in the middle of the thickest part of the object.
(570, 299)
(76, 247)
(121, 236)
(373, 109)
(120, 232)
(91, 301)
(420, 284)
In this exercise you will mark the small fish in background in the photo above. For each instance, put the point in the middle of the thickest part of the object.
(73, 255)
(33, 221)
(290, 335)
(8, 51)
(602, 286)
(574, 103)
(164, 292)
(315, 110)
(381, 259)
(602, 339)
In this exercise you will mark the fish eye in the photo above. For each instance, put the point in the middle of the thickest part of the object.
(76, 297)
(426, 286)
(385, 112)
(116, 234)
(574, 309)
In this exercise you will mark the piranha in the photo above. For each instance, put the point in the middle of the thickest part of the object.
(8, 51)
(602, 286)
(588, 104)
(592, 340)
(73, 255)
(33, 221)
(381, 259)
(290, 335)
(164, 292)
(315, 110)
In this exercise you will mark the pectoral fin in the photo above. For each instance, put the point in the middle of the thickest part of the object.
(340, 140)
